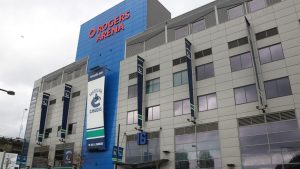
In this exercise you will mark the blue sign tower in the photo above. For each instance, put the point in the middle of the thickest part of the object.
(102, 40)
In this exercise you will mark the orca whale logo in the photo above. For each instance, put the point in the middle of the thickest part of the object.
(96, 101)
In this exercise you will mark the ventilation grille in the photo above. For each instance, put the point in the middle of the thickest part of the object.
(280, 116)
(203, 53)
(179, 60)
(200, 128)
(65, 146)
(152, 69)
(41, 149)
(266, 34)
(238, 42)
(132, 75)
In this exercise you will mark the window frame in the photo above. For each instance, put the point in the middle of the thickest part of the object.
(201, 20)
(271, 56)
(151, 86)
(205, 68)
(181, 29)
(241, 61)
(206, 95)
(228, 11)
(245, 94)
(277, 87)
(133, 119)
(181, 72)
(249, 5)
(135, 94)
(182, 107)
(147, 113)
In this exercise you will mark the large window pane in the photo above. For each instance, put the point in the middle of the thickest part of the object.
(271, 54)
(251, 93)
(284, 87)
(205, 71)
(235, 12)
(198, 26)
(265, 55)
(255, 5)
(180, 78)
(181, 32)
(185, 78)
(278, 88)
(130, 118)
(178, 108)
(200, 71)
(132, 91)
(186, 106)
(235, 63)
(246, 60)
(209, 70)
(211, 101)
(156, 112)
(240, 96)
(271, 89)
(202, 103)
(276, 52)
(177, 79)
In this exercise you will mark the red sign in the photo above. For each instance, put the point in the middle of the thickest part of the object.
(109, 28)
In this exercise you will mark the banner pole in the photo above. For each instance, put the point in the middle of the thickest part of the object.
(118, 142)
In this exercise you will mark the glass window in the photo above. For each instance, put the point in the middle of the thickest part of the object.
(198, 26)
(181, 32)
(152, 85)
(273, 144)
(205, 71)
(132, 91)
(278, 88)
(245, 94)
(182, 107)
(197, 152)
(76, 94)
(235, 12)
(207, 102)
(132, 117)
(271, 54)
(255, 5)
(72, 128)
(180, 78)
(241, 62)
(152, 113)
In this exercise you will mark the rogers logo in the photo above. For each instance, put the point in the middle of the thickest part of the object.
(109, 28)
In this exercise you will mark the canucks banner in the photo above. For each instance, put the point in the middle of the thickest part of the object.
(67, 95)
(140, 82)
(44, 107)
(95, 134)
(188, 47)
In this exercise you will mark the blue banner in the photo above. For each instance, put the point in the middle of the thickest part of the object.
(67, 96)
(44, 107)
(140, 84)
(188, 49)
(117, 155)
(68, 157)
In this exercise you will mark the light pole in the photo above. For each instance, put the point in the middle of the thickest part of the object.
(9, 92)
(21, 126)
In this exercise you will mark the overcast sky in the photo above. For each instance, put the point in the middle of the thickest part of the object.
(39, 36)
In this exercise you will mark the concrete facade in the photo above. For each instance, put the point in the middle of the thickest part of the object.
(54, 83)
(284, 15)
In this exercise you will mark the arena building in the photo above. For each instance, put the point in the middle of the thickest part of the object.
(217, 87)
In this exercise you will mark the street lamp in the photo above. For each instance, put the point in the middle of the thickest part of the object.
(9, 92)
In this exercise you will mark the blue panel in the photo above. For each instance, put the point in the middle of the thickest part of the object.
(109, 52)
